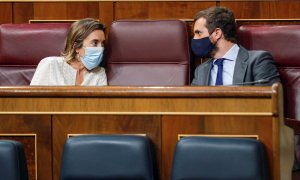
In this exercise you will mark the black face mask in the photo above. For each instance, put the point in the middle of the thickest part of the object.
(202, 47)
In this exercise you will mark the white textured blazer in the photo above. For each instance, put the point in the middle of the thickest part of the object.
(55, 71)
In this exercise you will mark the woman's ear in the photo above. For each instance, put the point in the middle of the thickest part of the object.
(74, 47)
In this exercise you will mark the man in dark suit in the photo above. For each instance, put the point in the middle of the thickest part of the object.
(230, 64)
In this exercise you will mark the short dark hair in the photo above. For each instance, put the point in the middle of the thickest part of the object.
(219, 17)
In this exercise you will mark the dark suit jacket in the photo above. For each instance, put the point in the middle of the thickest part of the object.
(250, 66)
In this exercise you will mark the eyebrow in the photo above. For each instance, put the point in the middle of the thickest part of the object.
(96, 40)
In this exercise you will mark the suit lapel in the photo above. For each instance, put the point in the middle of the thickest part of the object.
(206, 71)
(240, 66)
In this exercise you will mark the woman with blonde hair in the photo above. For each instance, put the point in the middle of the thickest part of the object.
(80, 59)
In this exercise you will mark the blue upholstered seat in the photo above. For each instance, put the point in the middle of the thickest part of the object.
(210, 158)
(12, 161)
(107, 157)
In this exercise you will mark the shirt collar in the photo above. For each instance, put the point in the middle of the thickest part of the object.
(232, 53)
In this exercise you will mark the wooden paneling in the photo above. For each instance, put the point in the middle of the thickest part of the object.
(172, 126)
(264, 9)
(22, 12)
(102, 124)
(28, 142)
(50, 11)
(32, 124)
(241, 22)
(65, 11)
(159, 10)
(6, 13)
(106, 14)
(159, 112)
(226, 99)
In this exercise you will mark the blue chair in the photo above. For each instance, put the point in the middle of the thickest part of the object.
(211, 158)
(121, 157)
(12, 161)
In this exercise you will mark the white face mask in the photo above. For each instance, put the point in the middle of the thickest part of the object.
(93, 57)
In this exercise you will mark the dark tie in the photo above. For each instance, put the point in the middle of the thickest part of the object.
(219, 79)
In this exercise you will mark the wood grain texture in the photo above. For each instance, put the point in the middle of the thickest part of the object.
(159, 112)
(108, 11)
(66, 11)
(29, 145)
(139, 91)
(103, 124)
(6, 15)
(263, 9)
(32, 124)
(172, 126)
(123, 100)
(22, 12)
(159, 10)
(106, 14)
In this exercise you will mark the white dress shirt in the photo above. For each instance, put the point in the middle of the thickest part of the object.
(228, 66)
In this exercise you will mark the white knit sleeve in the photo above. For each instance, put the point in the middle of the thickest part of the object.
(102, 81)
(42, 73)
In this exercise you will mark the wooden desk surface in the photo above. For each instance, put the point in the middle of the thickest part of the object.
(150, 100)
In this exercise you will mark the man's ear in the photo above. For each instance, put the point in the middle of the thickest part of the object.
(219, 33)
(216, 35)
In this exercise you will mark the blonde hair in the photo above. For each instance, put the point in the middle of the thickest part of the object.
(78, 31)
